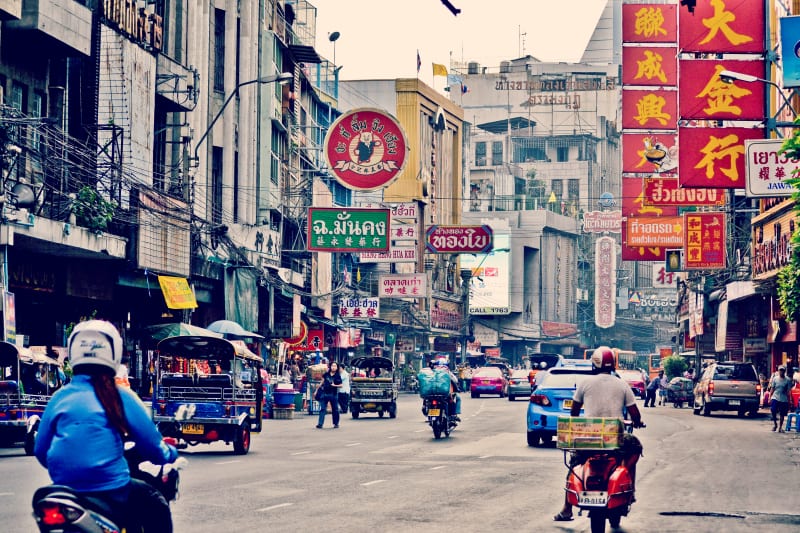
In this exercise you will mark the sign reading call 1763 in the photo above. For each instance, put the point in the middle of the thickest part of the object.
(348, 229)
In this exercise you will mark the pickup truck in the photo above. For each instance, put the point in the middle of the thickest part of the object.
(728, 386)
(373, 388)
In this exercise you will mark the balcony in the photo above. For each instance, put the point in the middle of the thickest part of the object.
(176, 84)
(67, 23)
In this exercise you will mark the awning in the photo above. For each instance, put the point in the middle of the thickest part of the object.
(739, 290)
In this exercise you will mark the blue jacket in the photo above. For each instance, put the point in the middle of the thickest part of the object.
(81, 449)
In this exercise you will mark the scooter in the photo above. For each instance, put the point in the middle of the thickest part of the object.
(59, 509)
(601, 484)
(436, 408)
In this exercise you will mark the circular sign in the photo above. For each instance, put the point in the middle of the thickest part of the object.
(295, 341)
(366, 149)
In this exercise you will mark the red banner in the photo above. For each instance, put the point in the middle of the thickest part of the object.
(705, 95)
(633, 201)
(650, 153)
(650, 66)
(667, 191)
(704, 241)
(654, 232)
(648, 110)
(723, 26)
(641, 253)
(649, 23)
(714, 157)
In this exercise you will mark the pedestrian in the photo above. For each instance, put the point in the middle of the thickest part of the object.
(779, 387)
(662, 389)
(652, 390)
(344, 391)
(331, 383)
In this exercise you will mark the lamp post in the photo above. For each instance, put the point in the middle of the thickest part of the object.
(282, 78)
(466, 277)
(729, 76)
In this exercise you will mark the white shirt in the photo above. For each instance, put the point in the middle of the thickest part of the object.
(345, 388)
(604, 396)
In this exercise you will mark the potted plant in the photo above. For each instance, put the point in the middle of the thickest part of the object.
(92, 211)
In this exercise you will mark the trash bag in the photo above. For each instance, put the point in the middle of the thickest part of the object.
(433, 383)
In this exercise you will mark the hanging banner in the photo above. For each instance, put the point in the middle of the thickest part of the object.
(714, 157)
(704, 241)
(704, 95)
(177, 293)
(650, 66)
(650, 153)
(605, 282)
(719, 26)
(402, 285)
(649, 23)
(649, 109)
(667, 191)
(9, 317)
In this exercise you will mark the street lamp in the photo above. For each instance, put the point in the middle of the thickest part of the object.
(729, 76)
(281, 78)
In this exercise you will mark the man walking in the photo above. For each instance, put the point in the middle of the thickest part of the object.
(652, 390)
(779, 387)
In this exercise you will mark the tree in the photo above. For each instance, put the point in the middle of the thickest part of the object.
(674, 366)
(788, 283)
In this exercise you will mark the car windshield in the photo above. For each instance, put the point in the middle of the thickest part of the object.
(488, 372)
(735, 372)
(520, 374)
(563, 381)
(550, 360)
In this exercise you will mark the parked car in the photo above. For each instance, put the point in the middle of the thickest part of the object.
(551, 399)
(544, 361)
(728, 386)
(635, 379)
(579, 363)
(488, 380)
(518, 385)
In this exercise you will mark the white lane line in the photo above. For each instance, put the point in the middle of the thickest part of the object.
(420, 430)
(301, 453)
(6, 493)
(353, 444)
(392, 437)
(368, 483)
(278, 506)
(227, 462)
(439, 467)
(484, 456)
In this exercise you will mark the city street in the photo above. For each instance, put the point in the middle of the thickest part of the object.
(378, 474)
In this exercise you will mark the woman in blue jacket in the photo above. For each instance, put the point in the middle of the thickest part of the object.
(81, 434)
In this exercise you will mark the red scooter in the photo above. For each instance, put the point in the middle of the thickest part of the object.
(602, 484)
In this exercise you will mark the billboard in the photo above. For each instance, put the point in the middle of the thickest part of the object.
(790, 51)
(704, 241)
(605, 282)
(714, 157)
(334, 229)
(722, 26)
(767, 169)
(489, 285)
(403, 285)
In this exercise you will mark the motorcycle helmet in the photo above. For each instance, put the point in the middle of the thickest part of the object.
(95, 342)
(603, 359)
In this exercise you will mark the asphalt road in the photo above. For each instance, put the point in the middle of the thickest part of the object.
(720, 473)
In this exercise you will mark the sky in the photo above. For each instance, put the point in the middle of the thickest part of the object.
(379, 39)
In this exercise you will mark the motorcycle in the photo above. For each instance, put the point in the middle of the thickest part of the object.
(602, 484)
(59, 509)
(436, 408)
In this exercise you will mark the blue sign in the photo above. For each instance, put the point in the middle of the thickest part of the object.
(790, 51)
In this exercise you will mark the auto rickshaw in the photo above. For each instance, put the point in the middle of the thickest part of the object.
(373, 388)
(207, 389)
(28, 379)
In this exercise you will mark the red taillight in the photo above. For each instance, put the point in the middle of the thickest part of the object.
(711, 388)
(540, 399)
(50, 514)
(758, 389)
(434, 403)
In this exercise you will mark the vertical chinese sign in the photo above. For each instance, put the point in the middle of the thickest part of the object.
(605, 279)
(704, 241)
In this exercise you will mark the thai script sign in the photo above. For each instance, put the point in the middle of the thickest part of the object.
(359, 307)
(446, 315)
(177, 293)
(605, 282)
(772, 248)
(403, 286)
(366, 149)
(405, 220)
(767, 169)
(705, 241)
(654, 231)
(602, 222)
(396, 254)
(667, 191)
(347, 229)
(458, 239)
(491, 275)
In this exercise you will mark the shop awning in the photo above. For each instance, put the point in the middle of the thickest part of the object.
(739, 290)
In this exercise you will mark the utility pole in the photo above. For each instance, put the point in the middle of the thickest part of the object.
(466, 277)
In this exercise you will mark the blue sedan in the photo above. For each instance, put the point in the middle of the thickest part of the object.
(552, 398)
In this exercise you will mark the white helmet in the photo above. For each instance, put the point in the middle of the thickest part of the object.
(603, 359)
(95, 342)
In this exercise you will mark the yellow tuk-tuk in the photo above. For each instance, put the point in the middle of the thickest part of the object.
(28, 379)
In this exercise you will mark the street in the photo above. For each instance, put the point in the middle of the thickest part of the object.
(377, 474)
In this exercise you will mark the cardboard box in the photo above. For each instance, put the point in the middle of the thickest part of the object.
(582, 433)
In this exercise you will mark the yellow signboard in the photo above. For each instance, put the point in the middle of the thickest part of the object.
(177, 292)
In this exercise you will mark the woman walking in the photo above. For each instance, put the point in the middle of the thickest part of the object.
(331, 383)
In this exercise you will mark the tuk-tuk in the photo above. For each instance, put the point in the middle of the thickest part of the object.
(28, 379)
(373, 388)
(207, 389)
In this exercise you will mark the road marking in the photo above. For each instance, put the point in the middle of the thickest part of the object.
(392, 437)
(6, 493)
(368, 483)
(227, 462)
(420, 430)
(353, 444)
(278, 506)
(301, 453)
(484, 456)
(439, 467)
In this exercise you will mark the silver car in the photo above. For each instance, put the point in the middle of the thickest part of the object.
(518, 385)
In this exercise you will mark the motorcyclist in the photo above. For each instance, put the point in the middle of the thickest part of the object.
(83, 429)
(608, 396)
(454, 405)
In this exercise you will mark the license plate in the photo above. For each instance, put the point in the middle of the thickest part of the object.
(597, 498)
(193, 429)
(567, 404)
(735, 402)
(433, 412)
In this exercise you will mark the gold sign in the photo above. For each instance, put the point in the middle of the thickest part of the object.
(177, 293)
(144, 28)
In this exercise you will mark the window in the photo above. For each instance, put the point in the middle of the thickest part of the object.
(37, 102)
(573, 189)
(557, 186)
(497, 153)
(562, 154)
(219, 50)
(216, 185)
(480, 154)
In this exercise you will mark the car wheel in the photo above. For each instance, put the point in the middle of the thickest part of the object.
(534, 438)
(242, 443)
(511, 397)
(354, 411)
(30, 440)
(380, 413)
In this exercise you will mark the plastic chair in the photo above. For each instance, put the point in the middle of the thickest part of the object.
(793, 417)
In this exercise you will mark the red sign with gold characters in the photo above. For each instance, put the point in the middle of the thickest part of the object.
(714, 157)
(705, 95)
(667, 191)
(649, 23)
(650, 153)
(633, 204)
(366, 149)
(650, 66)
(723, 26)
(704, 241)
(649, 109)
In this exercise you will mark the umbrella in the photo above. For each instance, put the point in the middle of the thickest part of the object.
(230, 329)
(159, 332)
